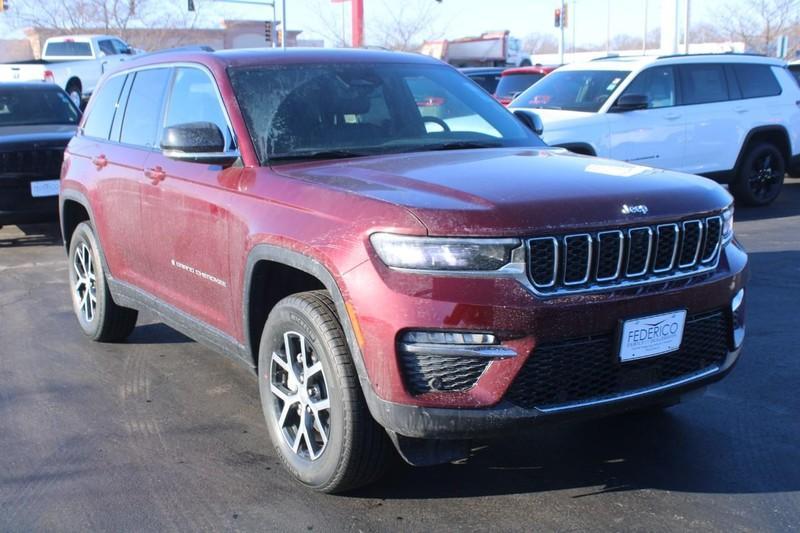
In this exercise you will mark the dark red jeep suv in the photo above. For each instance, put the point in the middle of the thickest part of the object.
(398, 275)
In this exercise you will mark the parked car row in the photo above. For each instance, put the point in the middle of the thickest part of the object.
(405, 264)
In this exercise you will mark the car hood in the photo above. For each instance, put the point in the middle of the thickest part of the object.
(516, 191)
(557, 116)
(45, 134)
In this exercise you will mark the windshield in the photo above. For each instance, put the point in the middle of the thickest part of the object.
(573, 90)
(29, 107)
(512, 84)
(349, 110)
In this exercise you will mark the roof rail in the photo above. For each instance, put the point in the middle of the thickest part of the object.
(194, 48)
(611, 55)
(746, 54)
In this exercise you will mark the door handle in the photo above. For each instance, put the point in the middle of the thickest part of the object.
(155, 174)
(672, 116)
(100, 161)
(741, 110)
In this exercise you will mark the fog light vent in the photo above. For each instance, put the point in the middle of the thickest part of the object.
(436, 361)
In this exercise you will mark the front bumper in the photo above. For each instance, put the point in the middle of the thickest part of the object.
(522, 321)
(438, 423)
(18, 206)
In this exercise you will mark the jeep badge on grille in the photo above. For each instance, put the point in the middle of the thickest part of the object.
(640, 209)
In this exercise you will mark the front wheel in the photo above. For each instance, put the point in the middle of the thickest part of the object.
(317, 418)
(760, 177)
(99, 316)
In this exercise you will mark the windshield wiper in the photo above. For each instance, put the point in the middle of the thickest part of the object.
(461, 145)
(316, 155)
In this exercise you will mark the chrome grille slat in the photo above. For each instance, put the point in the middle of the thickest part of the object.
(618, 258)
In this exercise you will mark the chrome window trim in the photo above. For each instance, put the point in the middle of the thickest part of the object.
(699, 242)
(628, 273)
(620, 252)
(588, 259)
(674, 247)
(556, 251)
(719, 240)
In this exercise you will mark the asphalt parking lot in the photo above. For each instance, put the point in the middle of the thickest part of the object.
(162, 434)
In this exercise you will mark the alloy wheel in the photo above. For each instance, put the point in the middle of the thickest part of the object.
(763, 178)
(84, 283)
(302, 412)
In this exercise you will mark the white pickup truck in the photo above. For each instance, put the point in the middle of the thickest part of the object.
(74, 62)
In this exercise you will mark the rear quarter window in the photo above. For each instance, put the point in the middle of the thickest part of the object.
(756, 81)
(104, 105)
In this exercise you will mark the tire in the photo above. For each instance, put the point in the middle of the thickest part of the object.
(100, 318)
(292, 380)
(760, 176)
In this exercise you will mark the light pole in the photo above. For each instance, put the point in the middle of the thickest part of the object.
(686, 27)
(271, 3)
(644, 30)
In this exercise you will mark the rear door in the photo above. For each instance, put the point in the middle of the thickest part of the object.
(113, 174)
(714, 125)
(187, 209)
(655, 136)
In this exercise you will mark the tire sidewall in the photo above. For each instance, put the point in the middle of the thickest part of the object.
(743, 186)
(290, 316)
(84, 234)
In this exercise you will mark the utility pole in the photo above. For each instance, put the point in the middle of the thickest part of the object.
(358, 22)
(608, 27)
(559, 22)
(644, 30)
(686, 27)
(574, 19)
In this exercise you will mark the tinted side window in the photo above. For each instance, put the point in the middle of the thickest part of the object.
(703, 83)
(756, 81)
(143, 112)
(194, 99)
(106, 47)
(658, 84)
(104, 105)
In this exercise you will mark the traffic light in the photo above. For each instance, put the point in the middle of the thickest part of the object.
(268, 31)
(557, 18)
(3, 5)
(191, 5)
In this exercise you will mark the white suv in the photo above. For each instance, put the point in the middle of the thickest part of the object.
(733, 118)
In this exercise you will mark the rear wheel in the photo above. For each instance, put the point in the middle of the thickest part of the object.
(317, 418)
(99, 317)
(760, 177)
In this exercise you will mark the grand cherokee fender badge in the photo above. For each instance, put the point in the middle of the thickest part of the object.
(640, 209)
(198, 273)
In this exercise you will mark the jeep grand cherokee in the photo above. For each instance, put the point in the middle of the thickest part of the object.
(395, 273)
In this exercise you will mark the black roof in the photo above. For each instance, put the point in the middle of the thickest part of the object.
(23, 85)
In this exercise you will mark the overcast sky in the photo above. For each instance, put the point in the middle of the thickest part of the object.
(458, 18)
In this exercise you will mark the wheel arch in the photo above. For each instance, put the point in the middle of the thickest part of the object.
(74, 209)
(776, 135)
(305, 273)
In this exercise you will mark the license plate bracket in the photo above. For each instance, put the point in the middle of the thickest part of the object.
(651, 336)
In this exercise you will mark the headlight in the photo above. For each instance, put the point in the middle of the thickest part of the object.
(439, 253)
(727, 225)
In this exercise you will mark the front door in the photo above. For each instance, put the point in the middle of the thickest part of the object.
(186, 210)
(655, 136)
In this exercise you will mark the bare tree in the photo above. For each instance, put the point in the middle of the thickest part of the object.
(405, 25)
(759, 23)
(540, 43)
(119, 17)
(332, 26)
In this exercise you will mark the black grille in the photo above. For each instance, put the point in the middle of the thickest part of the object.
(666, 247)
(429, 373)
(44, 162)
(606, 259)
(692, 233)
(588, 368)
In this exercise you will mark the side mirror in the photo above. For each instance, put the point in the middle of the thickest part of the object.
(631, 102)
(201, 142)
(531, 120)
(128, 51)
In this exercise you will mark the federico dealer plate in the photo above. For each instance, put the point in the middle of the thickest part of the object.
(45, 188)
(651, 335)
